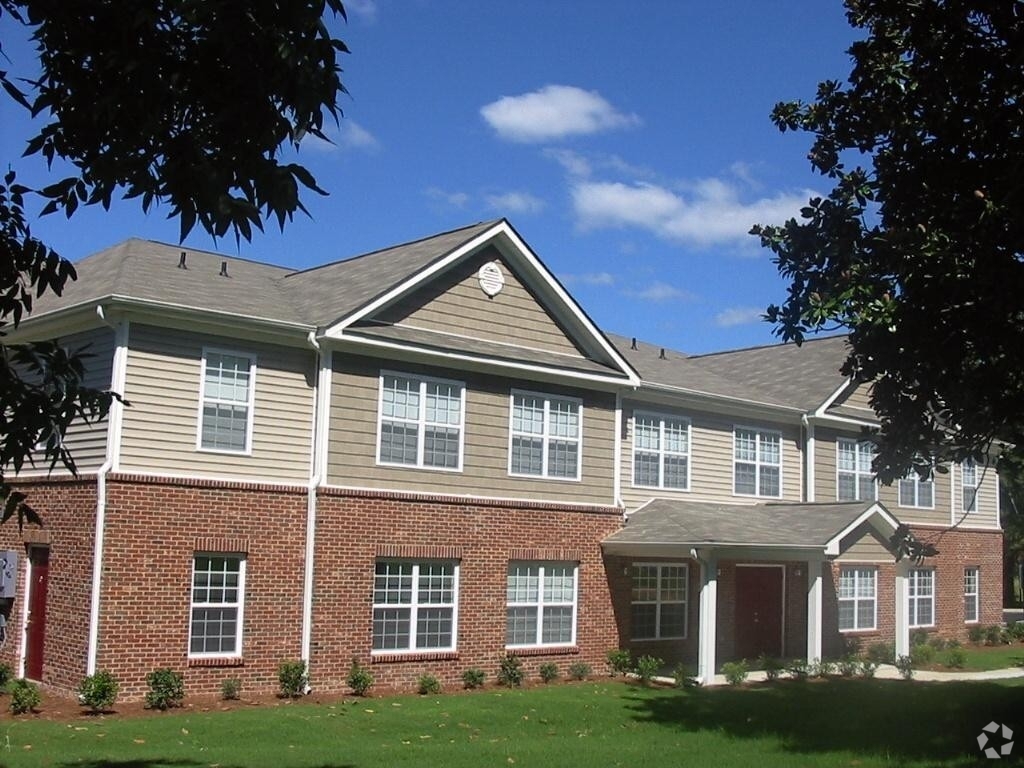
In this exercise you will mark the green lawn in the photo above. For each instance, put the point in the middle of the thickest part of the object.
(859, 723)
(983, 658)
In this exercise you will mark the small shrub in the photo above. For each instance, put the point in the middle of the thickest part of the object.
(905, 665)
(918, 637)
(291, 678)
(848, 666)
(922, 655)
(822, 668)
(24, 696)
(166, 689)
(428, 685)
(647, 667)
(684, 676)
(98, 691)
(359, 679)
(231, 689)
(619, 661)
(993, 635)
(1016, 631)
(6, 675)
(548, 672)
(473, 678)
(953, 643)
(976, 634)
(881, 653)
(799, 669)
(510, 671)
(956, 658)
(772, 667)
(868, 668)
(579, 670)
(735, 671)
(938, 643)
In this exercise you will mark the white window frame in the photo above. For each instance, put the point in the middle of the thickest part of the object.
(917, 596)
(759, 434)
(661, 451)
(859, 574)
(658, 602)
(203, 400)
(546, 437)
(972, 593)
(415, 606)
(858, 472)
(969, 469)
(421, 422)
(238, 605)
(541, 603)
(913, 480)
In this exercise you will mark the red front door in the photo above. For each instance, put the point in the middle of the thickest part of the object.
(35, 635)
(758, 611)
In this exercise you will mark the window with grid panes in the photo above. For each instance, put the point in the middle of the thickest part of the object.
(414, 605)
(227, 397)
(421, 421)
(545, 436)
(218, 584)
(921, 597)
(969, 485)
(857, 598)
(540, 604)
(972, 593)
(659, 600)
(757, 462)
(661, 451)
(855, 480)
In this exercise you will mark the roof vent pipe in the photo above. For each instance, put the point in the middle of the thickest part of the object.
(224, 269)
(632, 343)
(661, 355)
(181, 261)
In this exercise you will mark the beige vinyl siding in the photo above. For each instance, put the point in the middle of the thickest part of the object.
(938, 515)
(826, 456)
(711, 457)
(455, 303)
(352, 453)
(864, 545)
(987, 515)
(859, 397)
(163, 386)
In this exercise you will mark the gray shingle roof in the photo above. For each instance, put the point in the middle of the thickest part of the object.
(698, 523)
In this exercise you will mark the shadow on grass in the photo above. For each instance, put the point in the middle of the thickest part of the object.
(159, 763)
(891, 718)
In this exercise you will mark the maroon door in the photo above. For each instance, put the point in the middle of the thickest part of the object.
(35, 636)
(758, 612)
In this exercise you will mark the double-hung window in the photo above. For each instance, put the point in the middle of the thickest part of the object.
(421, 421)
(921, 597)
(414, 605)
(226, 401)
(659, 601)
(540, 604)
(545, 435)
(915, 491)
(971, 595)
(661, 451)
(757, 462)
(218, 586)
(854, 479)
(858, 598)
(969, 485)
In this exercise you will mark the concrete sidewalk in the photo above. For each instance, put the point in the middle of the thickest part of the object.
(889, 672)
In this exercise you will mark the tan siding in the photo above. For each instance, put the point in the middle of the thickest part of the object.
(864, 545)
(162, 384)
(352, 454)
(859, 397)
(456, 304)
(711, 457)
(825, 454)
(987, 514)
(938, 515)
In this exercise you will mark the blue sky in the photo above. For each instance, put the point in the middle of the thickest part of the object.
(628, 143)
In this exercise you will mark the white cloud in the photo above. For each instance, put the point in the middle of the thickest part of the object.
(451, 199)
(590, 278)
(574, 163)
(734, 316)
(553, 112)
(515, 202)
(348, 134)
(706, 212)
(366, 10)
(659, 291)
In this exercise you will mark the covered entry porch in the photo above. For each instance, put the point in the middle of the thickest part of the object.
(762, 572)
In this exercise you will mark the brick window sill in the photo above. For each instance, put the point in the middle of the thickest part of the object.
(544, 650)
(395, 658)
(219, 661)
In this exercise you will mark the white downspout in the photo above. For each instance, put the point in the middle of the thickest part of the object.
(114, 417)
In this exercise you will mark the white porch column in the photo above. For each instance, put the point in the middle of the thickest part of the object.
(814, 617)
(708, 618)
(902, 639)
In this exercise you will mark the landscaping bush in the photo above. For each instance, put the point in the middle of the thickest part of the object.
(905, 665)
(822, 668)
(956, 658)
(473, 678)
(24, 696)
(98, 691)
(579, 670)
(647, 667)
(849, 666)
(976, 634)
(881, 653)
(922, 655)
(291, 678)
(619, 661)
(994, 635)
(953, 643)
(1016, 631)
(510, 671)
(359, 679)
(6, 675)
(868, 668)
(548, 672)
(918, 637)
(799, 669)
(772, 667)
(166, 689)
(231, 689)
(938, 643)
(428, 685)
(684, 676)
(735, 671)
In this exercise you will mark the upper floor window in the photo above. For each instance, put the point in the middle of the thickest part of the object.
(226, 401)
(218, 584)
(915, 491)
(854, 479)
(414, 605)
(969, 485)
(545, 434)
(421, 421)
(540, 604)
(661, 451)
(757, 466)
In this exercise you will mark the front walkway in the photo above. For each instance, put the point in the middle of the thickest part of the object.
(889, 672)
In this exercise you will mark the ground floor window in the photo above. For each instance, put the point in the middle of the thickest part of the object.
(540, 604)
(414, 605)
(971, 595)
(659, 601)
(921, 597)
(218, 586)
(858, 598)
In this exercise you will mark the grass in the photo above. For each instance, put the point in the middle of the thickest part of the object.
(981, 658)
(840, 722)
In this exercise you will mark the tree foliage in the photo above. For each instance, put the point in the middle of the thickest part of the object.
(186, 103)
(918, 248)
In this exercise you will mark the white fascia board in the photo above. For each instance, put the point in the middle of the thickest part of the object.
(874, 514)
(842, 421)
(711, 397)
(831, 399)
